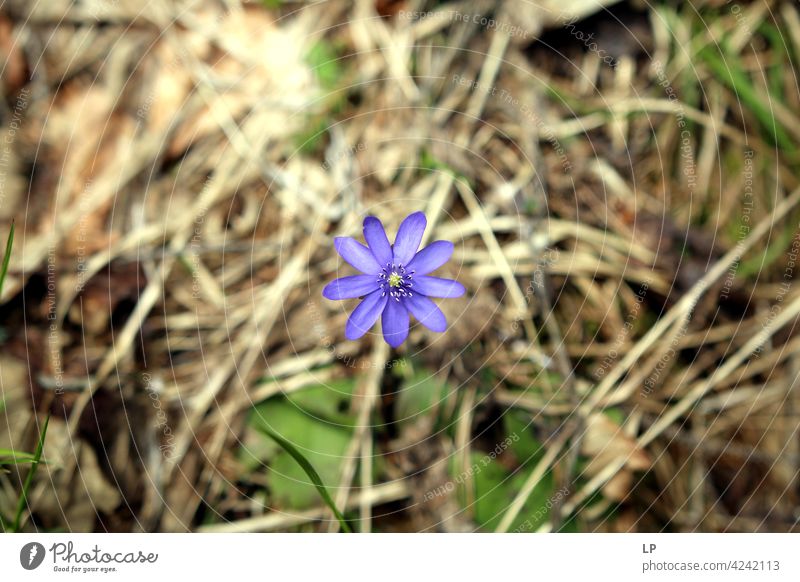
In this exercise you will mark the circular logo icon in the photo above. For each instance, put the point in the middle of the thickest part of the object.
(31, 555)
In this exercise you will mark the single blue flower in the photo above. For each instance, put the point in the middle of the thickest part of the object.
(396, 280)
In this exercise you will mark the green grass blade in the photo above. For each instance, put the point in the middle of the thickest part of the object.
(7, 258)
(728, 73)
(23, 498)
(12, 457)
(13, 453)
(311, 472)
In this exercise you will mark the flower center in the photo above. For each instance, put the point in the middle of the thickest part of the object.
(396, 281)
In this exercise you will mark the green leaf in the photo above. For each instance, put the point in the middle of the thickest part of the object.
(309, 470)
(616, 415)
(765, 257)
(527, 448)
(570, 525)
(492, 495)
(322, 443)
(311, 138)
(324, 60)
(496, 488)
(427, 161)
(298, 416)
(23, 498)
(421, 395)
(316, 424)
(7, 258)
(330, 402)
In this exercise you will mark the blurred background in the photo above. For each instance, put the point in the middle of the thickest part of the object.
(619, 178)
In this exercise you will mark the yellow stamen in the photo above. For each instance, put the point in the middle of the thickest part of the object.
(395, 280)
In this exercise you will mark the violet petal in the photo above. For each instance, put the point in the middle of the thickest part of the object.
(365, 315)
(409, 235)
(376, 238)
(395, 323)
(437, 287)
(356, 254)
(350, 287)
(431, 257)
(426, 312)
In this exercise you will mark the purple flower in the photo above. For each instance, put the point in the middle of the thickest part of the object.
(396, 280)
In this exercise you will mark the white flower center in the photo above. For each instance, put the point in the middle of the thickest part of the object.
(396, 281)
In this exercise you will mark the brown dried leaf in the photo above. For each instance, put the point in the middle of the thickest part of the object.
(605, 443)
